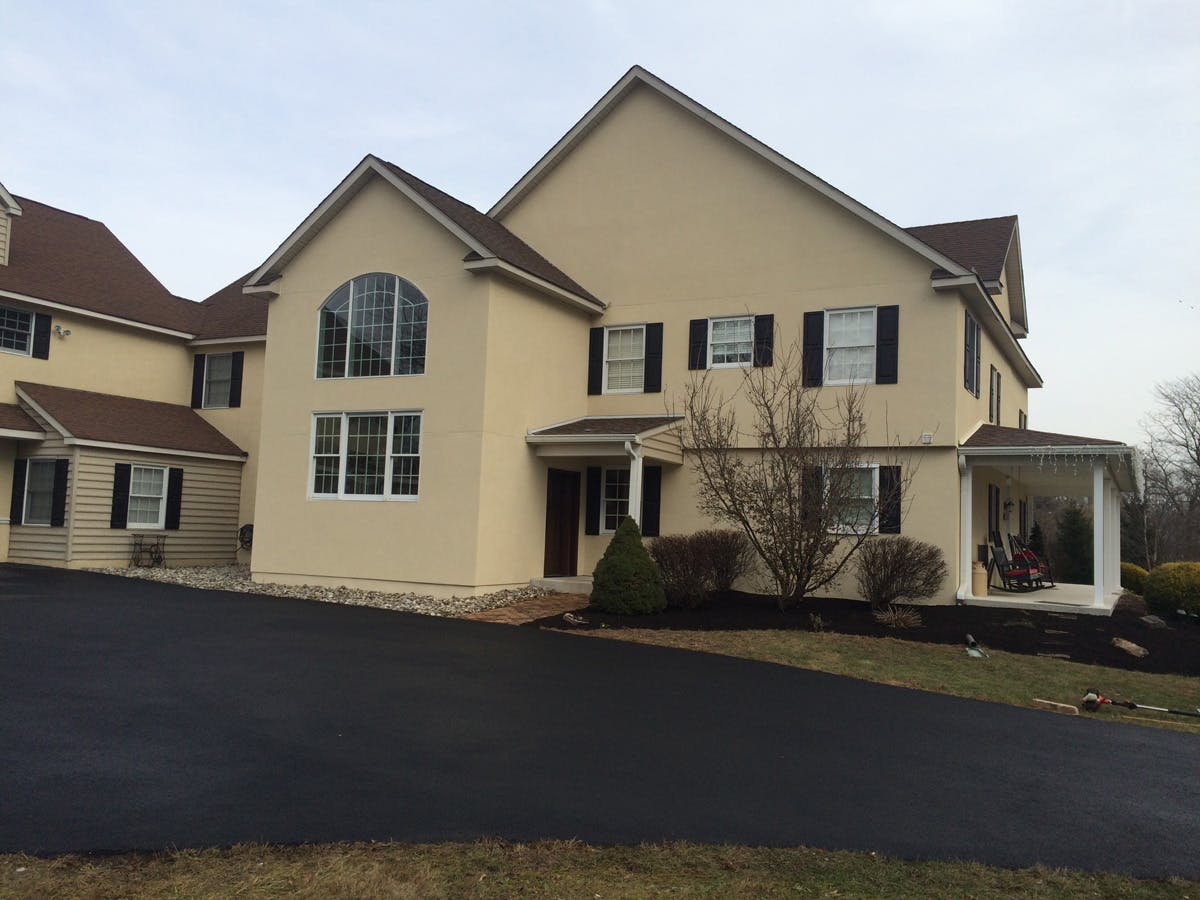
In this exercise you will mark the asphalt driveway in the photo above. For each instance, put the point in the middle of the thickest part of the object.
(141, 715)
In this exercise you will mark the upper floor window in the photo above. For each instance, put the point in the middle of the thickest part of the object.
(367, 456)
(373, 325)
(16, 330)
(624, 359)
(850, 346)
(730, 342)
(971, 356)
(218, 378)
(1022, 419)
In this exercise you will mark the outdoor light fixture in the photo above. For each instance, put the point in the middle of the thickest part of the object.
(61, 332)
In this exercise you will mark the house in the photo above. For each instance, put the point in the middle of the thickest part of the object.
(126, 413)
(457, 401)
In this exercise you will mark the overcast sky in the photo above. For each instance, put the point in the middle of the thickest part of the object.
(203, 133)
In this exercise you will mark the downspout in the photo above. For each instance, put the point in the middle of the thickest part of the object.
(634, 450)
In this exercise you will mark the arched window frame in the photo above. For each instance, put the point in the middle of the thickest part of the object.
(378, 310)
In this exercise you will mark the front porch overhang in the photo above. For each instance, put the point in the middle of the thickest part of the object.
(652, 437)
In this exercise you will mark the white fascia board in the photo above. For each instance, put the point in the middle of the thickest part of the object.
(89, 314)
(494, 264)
(329, 207)
(54, 423)
(22, 435)
(161, 451)
(210, 342)
(638, 75)
(1051, 450)
(581, 438)
(11, 206)
(972, 287)
(1016, 285)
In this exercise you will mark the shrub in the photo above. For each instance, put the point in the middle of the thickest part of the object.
(901, 568)
(1073, 550)
(897, 617)
(1037, 540)
(1133, 577)
(695, 566)
(682, 569)
(727, 554)
(626, 581)
(1130, 604)
(1173, 586)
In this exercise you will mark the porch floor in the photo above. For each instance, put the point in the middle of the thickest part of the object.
(1069, 598)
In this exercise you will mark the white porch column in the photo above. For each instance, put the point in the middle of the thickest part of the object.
(635, 482)
(1114, 537)
(965, 525)
(1099, 531)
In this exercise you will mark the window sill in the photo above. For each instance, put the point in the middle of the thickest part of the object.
(640, 390)
(364, 498)
(144, 529)
(361, 377)
(851, 382)
(27, 353)
(745, 365)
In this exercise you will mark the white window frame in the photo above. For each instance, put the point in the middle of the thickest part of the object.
(389, 455)
(709, 343)
(204, 404)
(29, 463)
(346, 376)
(28, 351)
(160, 524)
(842, 528)
(604, 500)
(641, 389)
(874, 311)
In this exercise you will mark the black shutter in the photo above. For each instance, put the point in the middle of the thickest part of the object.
(595, 360)
(992, 395)
(814, 349)
(591, 502)
(887, 344)
(764, 340)
(652, 381)
(58, 508)
(16, 512)
(41, 336)
(174, 498)
(698, 344)
(998, 380)
(978, 354)
(198, 380)
(651, 500)
(968, 355)
(120, 495)
(235, 379)
(889, 499)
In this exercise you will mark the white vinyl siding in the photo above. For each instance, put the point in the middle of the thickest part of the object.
(730, 342)
(36, 544)
(366, 456)
(624, 359)
(850, 346)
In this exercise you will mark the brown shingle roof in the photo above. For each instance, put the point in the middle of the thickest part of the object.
(229, 313)
(67, 258)
(1003, 436)
(596, 426)
(979, 244)
(17, 419)
(109, 418)
(494, 236)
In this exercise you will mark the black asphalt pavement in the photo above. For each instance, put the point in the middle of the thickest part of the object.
(139, 715)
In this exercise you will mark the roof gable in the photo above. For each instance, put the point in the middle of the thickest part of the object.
(489, 244)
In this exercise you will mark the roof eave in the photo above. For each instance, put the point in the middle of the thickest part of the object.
(515, 273)
(9, 202)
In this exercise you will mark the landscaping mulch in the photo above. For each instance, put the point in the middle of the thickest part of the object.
(1076, 637)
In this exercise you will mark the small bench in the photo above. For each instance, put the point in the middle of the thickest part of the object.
(148, 550)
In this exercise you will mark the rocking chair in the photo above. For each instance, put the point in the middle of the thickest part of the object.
(1022, 554)
(1014, 577)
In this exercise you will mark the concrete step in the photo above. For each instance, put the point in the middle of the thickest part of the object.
(580, 584)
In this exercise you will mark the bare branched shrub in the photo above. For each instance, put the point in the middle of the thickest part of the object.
(782, 462)
(899, 568)
(726, 554)
(897, 617)
(695, 566)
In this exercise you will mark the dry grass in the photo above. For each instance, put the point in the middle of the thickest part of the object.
(1013, 678)
(545, 869)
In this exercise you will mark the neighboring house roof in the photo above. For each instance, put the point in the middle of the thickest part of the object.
(13, 419)
(67, 259)
(90, 418)
(230, 313)
(490, 245)
(8, 202)
(607, 426)
(995, 436)
(978, 244)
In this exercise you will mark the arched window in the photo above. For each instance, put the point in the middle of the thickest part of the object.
(373, 325)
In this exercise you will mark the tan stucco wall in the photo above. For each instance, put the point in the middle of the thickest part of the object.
(971, 412)
(430, 540)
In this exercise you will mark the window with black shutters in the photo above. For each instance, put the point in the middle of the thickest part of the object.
(971, 356)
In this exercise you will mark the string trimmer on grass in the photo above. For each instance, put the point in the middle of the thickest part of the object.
(1093, 700)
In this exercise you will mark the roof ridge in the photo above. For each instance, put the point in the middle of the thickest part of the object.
(59, 387)
(58, 209)
(963, 221)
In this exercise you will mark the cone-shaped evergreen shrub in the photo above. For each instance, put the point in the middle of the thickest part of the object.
(626, 581)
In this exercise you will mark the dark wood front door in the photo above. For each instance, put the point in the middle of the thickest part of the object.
(562, 523)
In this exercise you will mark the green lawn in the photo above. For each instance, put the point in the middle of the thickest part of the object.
(546, 869)
(1003, 677)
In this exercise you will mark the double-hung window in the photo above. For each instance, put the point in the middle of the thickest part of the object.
(850, 346)
(147, 497)
(373, 325)
(730, 342)
(16, 331)
(218, 379)
(39, 491)
(971, 356)
(857, 494)
(366, 456)
(624, 359)
(614, 499)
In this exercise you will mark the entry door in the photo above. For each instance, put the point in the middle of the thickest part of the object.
(562, 523)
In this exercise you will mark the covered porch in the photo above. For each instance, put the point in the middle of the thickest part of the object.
(1001, 470)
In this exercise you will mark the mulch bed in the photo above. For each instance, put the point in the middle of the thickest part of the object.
(1080, 638)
